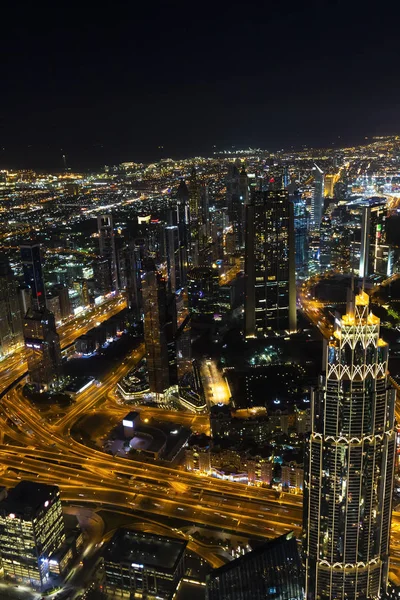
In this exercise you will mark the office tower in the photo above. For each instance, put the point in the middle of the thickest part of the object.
(183, 218)
(102, 275)
(348, 483)
(330, 181)
(154, 295)
(237, 192)
(194, 196)
(105, 227)
(285, 177)
(203, 290)
(134, 259)
(270, 294)
(33, 274)
(325, 241)
(176, 252)
(43, 348)
(25, 299)
(143, 565)
(317, 200)
(301, 225)
(10, 314)
(65, 304)
(53, 305)
(183, 348)
(373, 238)
(31, 531)
(273, 570)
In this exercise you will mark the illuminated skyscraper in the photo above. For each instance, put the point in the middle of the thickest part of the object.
(31, 530)
(105, 227)
(33, 274)
(43, 348)
(270, 301)
(134, 255)
(301, 224)
(176, 242)
(154, 295)
(349, 464)
(183, 223)
(317, 200)
(195, 218)
(373, 238)
(325, 244)
(10, 314)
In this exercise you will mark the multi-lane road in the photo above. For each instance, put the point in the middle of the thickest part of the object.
(38, 450)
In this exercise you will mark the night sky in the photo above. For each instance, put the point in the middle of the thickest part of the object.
(115, 81)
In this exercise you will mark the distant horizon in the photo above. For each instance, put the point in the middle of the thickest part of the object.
(35, 156)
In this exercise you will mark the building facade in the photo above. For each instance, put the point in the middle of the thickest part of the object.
(143, 564)
(107, 246)
(349, 464)
(317, 199)
(271, 571)
(11, 336)
(33, 274)
(43, 349)
(155, 334)
(270, 295)
(31, 531)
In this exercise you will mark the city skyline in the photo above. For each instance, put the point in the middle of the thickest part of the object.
(161, 333)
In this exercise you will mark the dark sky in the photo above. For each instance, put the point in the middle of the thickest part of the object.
(115, 80)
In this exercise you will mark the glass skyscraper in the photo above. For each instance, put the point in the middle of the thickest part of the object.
(301, 226)
(349, 464)
(273, 571)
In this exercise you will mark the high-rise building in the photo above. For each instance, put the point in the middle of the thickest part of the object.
(134, 258)
(348, 483)
(65, 304)
(33, 274)
(102, 275)
(31, 531)
(154, 295)
(317, 200)
(325, 240)
(373, 238)
(203, 290)
(43, 348)
(183, 217)
(329, 184)
(194, 211)
(176, 250)
(10, 313)
(105, 227)
(270, 301)
(301, 226)
(272, 571)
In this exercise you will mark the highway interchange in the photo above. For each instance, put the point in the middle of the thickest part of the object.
(33, 448)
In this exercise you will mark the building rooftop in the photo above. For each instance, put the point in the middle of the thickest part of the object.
(28, 495)
(266, 548)
(145, 549)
